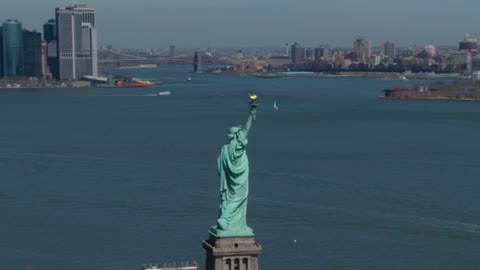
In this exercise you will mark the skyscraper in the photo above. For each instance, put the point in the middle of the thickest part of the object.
(76, 42)
(52, 59)
(293, 51)
(89, 32)
(297, 53)
(468, 43)
(69, 34)
(50, 37)
(12, 48)
(363, 49)
(32, 53)
(49, 31)
(88, 14)
(46, 73)
(89, 45)
(320, 53)
(1, 52)
(389, 50)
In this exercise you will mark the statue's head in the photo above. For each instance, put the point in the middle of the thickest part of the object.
(232, 132)
(239, 136)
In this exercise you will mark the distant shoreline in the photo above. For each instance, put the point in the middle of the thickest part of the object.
(432, 98)
(380, 75)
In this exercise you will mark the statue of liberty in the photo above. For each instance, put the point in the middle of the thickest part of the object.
(233, 171)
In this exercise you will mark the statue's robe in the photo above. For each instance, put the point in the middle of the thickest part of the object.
(233, 171)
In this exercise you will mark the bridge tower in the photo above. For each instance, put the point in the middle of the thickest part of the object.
(197, 62)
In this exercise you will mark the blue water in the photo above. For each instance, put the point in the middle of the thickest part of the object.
(114, 178)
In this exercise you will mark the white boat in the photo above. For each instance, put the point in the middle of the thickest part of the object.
(164, 93)
(13, 85)
(189, 79)
(275, 105)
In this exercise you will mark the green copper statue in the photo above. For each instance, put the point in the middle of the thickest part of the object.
(233, 171)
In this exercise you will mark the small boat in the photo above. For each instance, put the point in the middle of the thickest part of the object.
(13, 85)
(189, 79)
(275, 105)
(164, 93)
(268, 75)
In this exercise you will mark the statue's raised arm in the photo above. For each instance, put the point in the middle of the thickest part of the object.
(251, 115)
(233, 171)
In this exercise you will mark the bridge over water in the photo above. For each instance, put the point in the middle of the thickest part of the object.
(116, 59)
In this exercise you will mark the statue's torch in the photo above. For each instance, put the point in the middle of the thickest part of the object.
(253, 100)
(253, 105)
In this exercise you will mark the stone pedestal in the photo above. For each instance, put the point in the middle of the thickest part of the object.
(231, 253)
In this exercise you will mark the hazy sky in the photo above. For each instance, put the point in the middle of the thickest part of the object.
(228, 23)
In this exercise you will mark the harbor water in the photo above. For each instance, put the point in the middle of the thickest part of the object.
(111, 178)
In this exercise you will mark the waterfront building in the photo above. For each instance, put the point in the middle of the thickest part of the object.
(431, 50)
(476, 76)
(324, 52)
(317, 54)
(373, 61)
(171, 52)
(297, 53)
(476, 63)
(363, 49)
(309, 54)
(300, 55)
(250, 66)
(238, 55)
(279, 60)
(76, 42)
(468, 43)
(388, 50)
(462, 60)
(32, 54)
(12, 48)
(345, 63)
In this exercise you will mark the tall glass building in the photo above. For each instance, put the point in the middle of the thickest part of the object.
(1, 52)
(32, 54)
(50, 30)
(12, 48)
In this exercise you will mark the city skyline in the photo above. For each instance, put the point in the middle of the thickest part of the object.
(215, 23)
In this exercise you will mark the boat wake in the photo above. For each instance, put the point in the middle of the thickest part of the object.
(116, 95)
(399, 220)
(367, 216)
